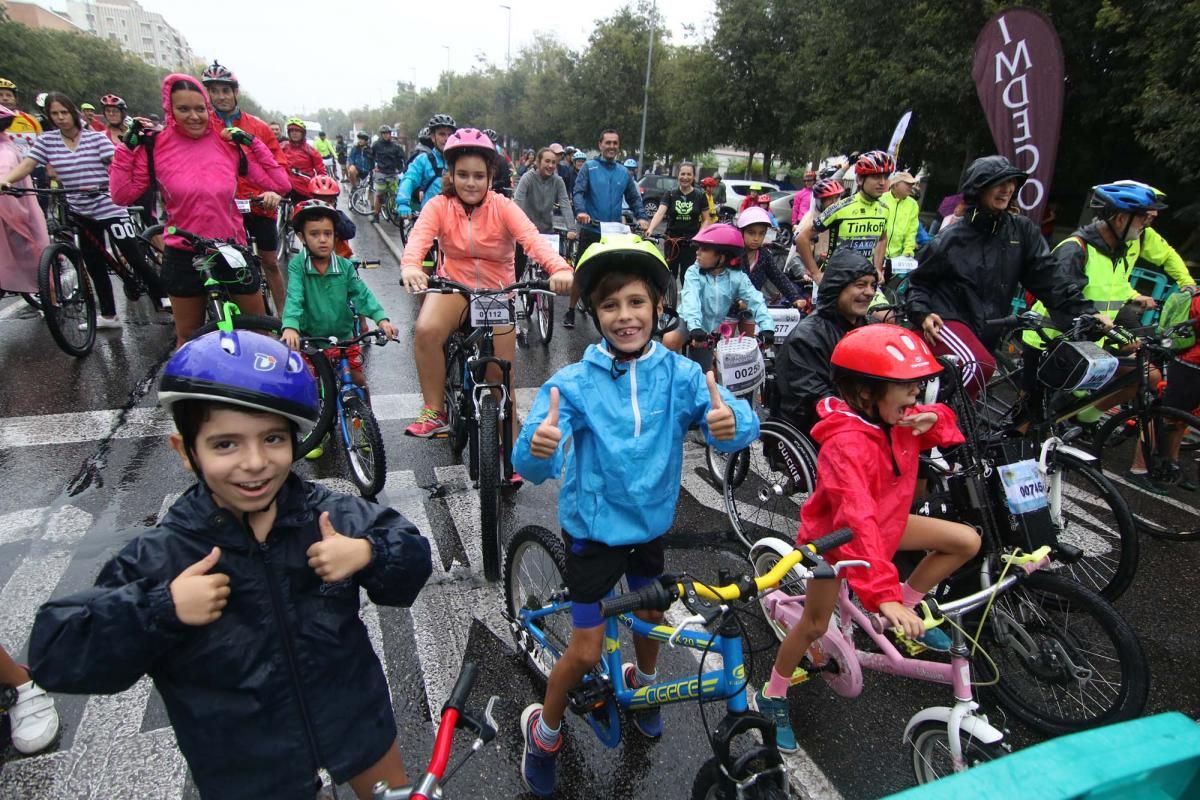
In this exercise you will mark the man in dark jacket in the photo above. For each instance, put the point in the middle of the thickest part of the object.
(970, 272)
(802, 371)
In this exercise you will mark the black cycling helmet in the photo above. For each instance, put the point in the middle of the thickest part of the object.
(385, 128)
(491, 134)
(363, 135)
(988, 171)
(425, 138)
(441, 121)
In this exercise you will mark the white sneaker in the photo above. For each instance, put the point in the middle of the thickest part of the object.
(103, 323)
(34, 720)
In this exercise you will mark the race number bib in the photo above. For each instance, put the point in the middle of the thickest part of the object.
(243, 205)
(1024, 487)
(785, 320)
(489, 311)
(902, 265)
(613, 227)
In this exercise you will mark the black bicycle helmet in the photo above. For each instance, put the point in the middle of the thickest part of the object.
(441, 121)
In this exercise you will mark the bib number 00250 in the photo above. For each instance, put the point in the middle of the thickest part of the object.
(490, 311)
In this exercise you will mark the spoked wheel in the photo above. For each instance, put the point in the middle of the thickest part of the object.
(360, 201)
(780, 475)
(543, 316)
(535, 566)
(326, 392)
(364, 446)
(1165, 503)
(1094, 517)
(489, 485)
(726, 466)
(1066, 659)
(931, 751)
(764, 555)
(67, 299)
(452, 396)
(712, 784)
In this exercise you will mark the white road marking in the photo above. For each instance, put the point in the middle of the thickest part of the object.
(144, 421)
(16, 526)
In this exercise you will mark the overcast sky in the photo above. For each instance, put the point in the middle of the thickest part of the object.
(299, 55)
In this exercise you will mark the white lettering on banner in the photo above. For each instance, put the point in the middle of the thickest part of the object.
(1015, 97)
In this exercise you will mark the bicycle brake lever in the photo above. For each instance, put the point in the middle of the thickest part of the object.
(695, 619)
(839, 566)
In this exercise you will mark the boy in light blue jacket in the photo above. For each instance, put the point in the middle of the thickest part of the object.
(714, 289)
(616, 420)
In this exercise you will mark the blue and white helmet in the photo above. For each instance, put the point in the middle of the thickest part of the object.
(1125, 196)
(631, 163)
(245, 369)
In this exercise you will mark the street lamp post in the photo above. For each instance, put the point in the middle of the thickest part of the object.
(646, 92)
(508, 45)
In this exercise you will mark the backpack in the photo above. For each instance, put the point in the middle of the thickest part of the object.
(1176, 310)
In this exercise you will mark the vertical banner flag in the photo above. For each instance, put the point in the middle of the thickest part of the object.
(893, 147)
(1018, 71)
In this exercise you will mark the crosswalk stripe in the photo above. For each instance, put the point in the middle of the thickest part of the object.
(143, 421)
(16, 526)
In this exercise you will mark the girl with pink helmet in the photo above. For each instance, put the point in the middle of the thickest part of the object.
(714, 287)
(759, 263)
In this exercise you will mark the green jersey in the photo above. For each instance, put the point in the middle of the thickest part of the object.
(856, 222)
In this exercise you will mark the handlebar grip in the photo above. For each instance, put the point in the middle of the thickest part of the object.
(173, 231)
(1002, 322)
(543, 285)
(462, 687)
(653, 596)
(830, 540)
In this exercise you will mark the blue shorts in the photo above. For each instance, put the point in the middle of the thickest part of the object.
(594, 569)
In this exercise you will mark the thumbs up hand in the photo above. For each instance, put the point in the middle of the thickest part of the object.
(337, 557)
(547, 436)
(722, 424)
(198, 596)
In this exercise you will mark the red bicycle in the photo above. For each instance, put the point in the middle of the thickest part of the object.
(454, 717)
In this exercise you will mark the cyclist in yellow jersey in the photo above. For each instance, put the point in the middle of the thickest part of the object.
(1154, 248)
(24, 128)
(859, 222)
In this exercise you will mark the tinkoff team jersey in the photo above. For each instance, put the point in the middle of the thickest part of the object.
(856, 223)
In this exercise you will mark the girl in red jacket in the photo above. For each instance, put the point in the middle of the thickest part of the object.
(866, 477)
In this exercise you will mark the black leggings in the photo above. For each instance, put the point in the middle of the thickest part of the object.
(91, 246)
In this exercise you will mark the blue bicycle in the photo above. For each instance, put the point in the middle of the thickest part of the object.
(350, 404)
(538, 611)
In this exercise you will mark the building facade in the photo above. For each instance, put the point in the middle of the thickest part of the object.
(34, 16)
(135, 30)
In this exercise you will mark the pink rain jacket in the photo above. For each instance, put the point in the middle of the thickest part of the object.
(198, 177)
(22, 228)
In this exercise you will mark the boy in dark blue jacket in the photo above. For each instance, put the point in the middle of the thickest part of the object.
(243, 604)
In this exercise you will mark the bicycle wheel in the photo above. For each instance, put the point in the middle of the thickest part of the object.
(764, 556)
(780, 474)
(364, 445)
(360, 201)
(489, 485)
(1166, 504)
(535, 566)
(453, 397)
(931, 751)
(268, 326)
(712, 783)
(1067, 660)
(327, 393)
(543, 312)
(1094, 517)
(68, 303)
(32, 300)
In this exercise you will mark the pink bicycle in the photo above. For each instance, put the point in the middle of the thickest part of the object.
(945, 739)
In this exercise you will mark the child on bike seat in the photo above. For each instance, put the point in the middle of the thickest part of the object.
(625, 408)
(716, 287)
(242, 605)
(322, 285)
(870, 440)
(327, 189)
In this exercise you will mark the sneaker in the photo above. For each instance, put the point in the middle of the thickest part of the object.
(934, 639)
(648, 721)
(319, 450)
(103, 323)
(1173, 475)
(33, 719)
(430, 423)
(538, 765)
(569, 318)
(778, 711)
(1143, 481)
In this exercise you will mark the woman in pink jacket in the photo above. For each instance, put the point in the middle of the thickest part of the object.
(196, 165)
(476, 230)
(23, 234)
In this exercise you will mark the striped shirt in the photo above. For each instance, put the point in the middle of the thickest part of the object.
(82, 168)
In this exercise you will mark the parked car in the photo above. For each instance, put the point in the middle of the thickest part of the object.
(737, 189)
(654, 188)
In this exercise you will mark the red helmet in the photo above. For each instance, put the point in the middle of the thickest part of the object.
(885, 352)
(722, 236)
(829, 187)
(708, 182)
(323, 186)
(874, 162)
(112, 100)
(469, 140)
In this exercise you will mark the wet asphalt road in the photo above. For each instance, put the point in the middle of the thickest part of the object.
(85, 465)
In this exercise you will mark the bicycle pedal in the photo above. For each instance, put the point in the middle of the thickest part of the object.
(799, 676)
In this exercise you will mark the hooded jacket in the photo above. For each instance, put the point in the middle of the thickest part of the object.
(599, 189)
(802, 372)
(198, 177)
(303, 158)
(971, 270)
(866, 479)
(424, 174)
(706, 298)
(625, 458)
(287, 666)
(477, 242)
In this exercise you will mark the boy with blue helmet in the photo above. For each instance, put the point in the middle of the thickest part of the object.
(243, 604)
(626, 407)
(424, 175)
